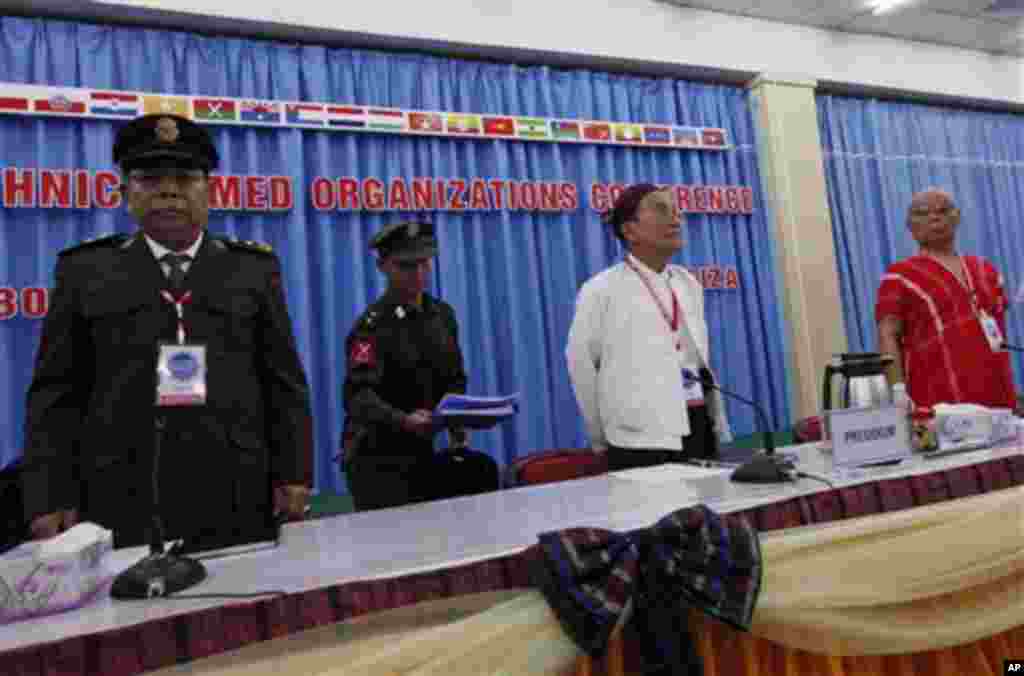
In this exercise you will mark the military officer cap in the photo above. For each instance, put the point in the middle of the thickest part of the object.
(406, 241)
(153, 138)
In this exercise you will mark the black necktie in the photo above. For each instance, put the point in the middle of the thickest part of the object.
(177, 273)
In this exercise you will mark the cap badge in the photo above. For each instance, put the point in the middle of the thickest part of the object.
(166, 130)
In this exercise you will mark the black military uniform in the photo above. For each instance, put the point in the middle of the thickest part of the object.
(400, 358)
(90, 407)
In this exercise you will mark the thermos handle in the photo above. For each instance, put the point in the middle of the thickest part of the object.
(826, 390)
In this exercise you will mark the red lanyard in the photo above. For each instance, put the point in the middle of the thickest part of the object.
(179, 307)
(970, 287)
(673, 321)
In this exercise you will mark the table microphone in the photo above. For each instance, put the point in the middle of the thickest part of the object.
(162, 572)
(764, 468)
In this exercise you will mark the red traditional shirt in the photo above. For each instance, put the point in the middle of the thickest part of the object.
(946, 356)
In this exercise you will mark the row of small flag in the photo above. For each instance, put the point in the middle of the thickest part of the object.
(30, 99)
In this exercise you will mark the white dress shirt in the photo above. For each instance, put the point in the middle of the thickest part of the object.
(623, 361)
(159, 251)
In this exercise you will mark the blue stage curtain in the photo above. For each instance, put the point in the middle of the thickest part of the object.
(879, 153)
(511, 276)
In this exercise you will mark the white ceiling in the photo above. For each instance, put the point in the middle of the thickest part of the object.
(961, 23)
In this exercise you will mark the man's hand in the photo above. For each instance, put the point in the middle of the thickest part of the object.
(290, 501)
(52, 524)
(419, 422)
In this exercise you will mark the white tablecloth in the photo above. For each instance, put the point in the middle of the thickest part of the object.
(430, 536)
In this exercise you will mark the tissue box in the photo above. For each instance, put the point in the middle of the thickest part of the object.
(34, 582)
(960, 424)
(1004, 425)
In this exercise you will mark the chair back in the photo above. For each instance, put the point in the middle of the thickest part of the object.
(557, 465)
(808, 429)
(463, 472)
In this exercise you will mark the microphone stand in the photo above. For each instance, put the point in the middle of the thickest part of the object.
(162, 572)
(764, 468)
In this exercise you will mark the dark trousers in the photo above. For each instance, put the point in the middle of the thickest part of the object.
(13, 529)
(701, 443)
(377, 482)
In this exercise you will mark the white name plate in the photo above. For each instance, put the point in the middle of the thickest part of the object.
(864, 436)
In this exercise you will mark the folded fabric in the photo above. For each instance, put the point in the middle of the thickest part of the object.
(693, 558)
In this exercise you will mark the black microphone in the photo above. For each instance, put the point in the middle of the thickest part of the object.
(764, 468)
(162, 572)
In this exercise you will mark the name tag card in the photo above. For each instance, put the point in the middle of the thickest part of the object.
(865, 436)
(181, 375)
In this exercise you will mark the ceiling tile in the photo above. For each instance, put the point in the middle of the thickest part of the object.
(961, 23)
(727, 6)
(810, 12)
(925, 26)
(961, 7)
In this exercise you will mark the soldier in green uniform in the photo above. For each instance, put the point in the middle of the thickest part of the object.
(403, 357)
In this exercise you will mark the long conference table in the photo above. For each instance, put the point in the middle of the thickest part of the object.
(335, 569)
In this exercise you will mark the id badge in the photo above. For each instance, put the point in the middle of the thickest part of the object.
(181, 375)
(991, 329)
(692, 389)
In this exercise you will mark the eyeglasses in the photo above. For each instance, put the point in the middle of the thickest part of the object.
(152, 178)
(922, 214)
(410, 266)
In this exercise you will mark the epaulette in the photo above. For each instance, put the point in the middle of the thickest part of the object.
(368, 321)
(248, 245)
(95, 242)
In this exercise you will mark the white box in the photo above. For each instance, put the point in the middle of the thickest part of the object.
(31, 586)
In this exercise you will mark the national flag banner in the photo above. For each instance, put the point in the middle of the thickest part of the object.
(260, 112)
(214, 110)
(714, 138)
(347, 117)
(13, 104)
(563, 130)
(686, 136)
(499, 126)
(628, 133)
(385, 119)
(658, 135)
(114, 103)
(76, 102)
(597, 131)
(168, 105)
(304, 113)
(532, 127)
(61, 103)
(463, 124)
(426, 122)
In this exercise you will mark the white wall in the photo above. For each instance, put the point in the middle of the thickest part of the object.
(632, 30)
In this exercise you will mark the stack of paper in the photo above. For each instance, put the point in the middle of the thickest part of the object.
(669, 473)
(463, 410)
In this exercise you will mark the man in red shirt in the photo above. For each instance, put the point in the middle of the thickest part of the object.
(941, 315)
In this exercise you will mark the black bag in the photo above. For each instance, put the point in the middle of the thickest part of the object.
(461, 471)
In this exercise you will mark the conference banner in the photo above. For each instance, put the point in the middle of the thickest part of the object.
(30, 188)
